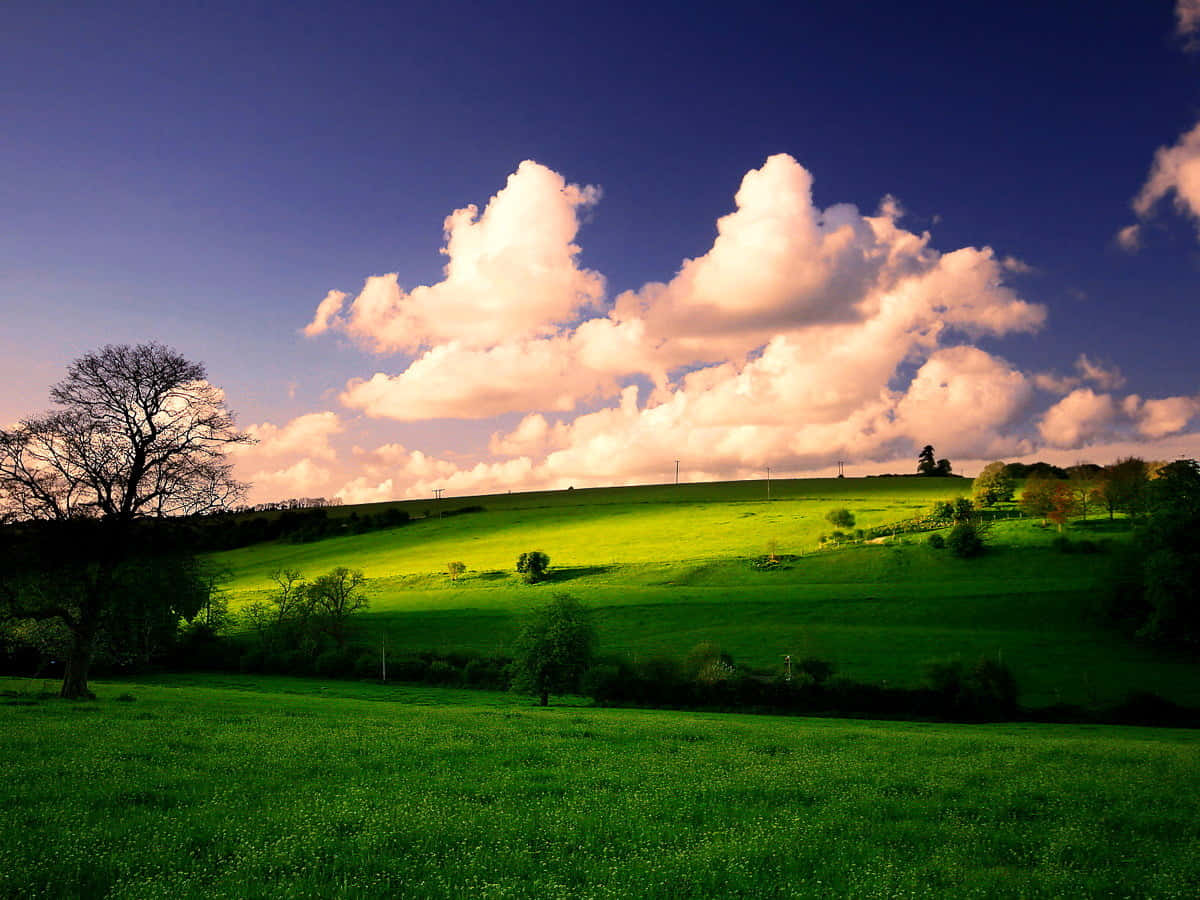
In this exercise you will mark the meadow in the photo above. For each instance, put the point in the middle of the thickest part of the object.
(270, 787)
(666, 567)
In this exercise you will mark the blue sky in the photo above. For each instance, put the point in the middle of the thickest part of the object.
(204, 176)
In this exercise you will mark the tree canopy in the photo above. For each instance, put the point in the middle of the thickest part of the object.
(554, 648)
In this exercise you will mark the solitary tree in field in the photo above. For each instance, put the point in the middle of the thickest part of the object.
(533, 565)
(554, 648)
(138, 434)
(455, 569)
(840, 518)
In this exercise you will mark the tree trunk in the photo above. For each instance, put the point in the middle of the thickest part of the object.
(79, 661)
(545, 699)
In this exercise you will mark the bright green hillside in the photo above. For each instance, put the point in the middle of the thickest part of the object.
(667, 567)
(208, 791)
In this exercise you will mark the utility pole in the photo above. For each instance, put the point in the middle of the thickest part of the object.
(768, 484)
(437, 497)
(676, 473)
(383, 655)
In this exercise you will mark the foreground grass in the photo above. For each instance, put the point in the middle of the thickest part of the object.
(220, 792)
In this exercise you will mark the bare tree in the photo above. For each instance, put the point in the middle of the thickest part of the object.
(138, 433)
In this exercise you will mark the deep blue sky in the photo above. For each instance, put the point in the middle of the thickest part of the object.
(202, 174)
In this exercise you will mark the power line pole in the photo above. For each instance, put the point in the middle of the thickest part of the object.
(677, 472)
(768, 484)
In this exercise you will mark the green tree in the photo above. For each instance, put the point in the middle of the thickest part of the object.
(554, 648)
(840, 518)
(138, 433)
(1170, 542)
(455, 570)
(533, 565)
(993, 485)
(336, 596)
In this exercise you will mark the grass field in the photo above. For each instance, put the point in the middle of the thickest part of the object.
(236, 787)
(666, 567)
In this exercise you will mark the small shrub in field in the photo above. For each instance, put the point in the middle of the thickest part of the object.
(964, 540)
(840, 518)
(125, 698)
(533, 565)
(936, 541)
(455, 569)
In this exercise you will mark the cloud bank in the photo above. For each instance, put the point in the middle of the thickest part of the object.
(801, 336)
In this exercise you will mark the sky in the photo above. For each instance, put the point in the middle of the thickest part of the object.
(491, 247)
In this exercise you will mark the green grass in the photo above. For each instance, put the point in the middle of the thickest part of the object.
(229, 787)
(666, 567)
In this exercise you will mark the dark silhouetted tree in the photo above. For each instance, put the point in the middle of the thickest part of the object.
(138, 433)
(926, 464)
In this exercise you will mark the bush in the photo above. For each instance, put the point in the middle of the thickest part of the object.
(840, 518)
(965, 541)
(936, 541)
(455, 569)
(533, 565)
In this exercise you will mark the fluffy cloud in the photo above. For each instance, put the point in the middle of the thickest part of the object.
(1175, 171)
(511, 273)
(800, 336)
(308, 434)
(296, 459)
(1081, 416)
(1084, 416)
(1187, 17)
(1161, 418)
(961, 400)
(779, 268)
(1103, 376)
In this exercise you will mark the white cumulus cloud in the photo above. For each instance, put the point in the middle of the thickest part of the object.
(511, 273)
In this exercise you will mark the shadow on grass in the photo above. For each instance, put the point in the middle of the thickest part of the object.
(570, 573)
(491, 575)
(1103, 526)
